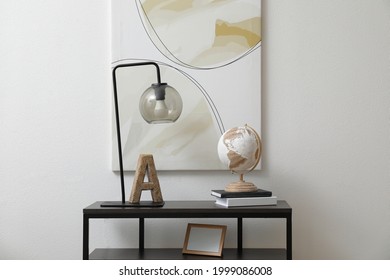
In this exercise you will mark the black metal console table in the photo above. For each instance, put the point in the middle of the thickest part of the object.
(187, 209)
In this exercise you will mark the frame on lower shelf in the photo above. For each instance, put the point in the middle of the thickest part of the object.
(188, 209)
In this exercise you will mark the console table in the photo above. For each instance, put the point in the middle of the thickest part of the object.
(187, 209)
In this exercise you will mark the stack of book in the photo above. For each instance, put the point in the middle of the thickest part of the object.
(255, 198)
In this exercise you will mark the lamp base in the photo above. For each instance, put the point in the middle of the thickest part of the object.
(129, 204)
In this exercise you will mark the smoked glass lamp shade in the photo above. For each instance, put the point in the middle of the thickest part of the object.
(160, 103)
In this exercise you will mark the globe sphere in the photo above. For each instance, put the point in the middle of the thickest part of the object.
(239, 148)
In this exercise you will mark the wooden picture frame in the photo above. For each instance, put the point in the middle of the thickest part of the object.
(204, 239)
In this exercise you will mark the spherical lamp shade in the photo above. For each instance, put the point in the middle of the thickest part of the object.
(160, 103)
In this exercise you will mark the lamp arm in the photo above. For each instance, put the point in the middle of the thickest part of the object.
(138, 64)
(118, 131)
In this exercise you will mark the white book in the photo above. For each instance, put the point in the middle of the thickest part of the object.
(246, 201)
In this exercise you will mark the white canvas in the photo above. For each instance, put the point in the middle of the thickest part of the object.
(210, 51)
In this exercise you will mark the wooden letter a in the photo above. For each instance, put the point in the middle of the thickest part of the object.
(145, 166)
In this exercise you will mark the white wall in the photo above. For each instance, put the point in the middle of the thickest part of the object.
(325, 119)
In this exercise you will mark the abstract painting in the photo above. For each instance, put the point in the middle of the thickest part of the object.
(210, 51)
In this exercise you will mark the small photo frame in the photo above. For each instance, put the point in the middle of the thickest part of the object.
(203, 239)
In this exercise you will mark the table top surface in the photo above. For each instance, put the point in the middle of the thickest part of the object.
(188, 207)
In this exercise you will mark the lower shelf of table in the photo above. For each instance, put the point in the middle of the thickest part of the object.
(176, 254)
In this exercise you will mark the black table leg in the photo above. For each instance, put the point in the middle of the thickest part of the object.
(141, 236)
(289, 236)
(85, 237)
(239, 234)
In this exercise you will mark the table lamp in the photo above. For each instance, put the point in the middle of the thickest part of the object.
(160, 103)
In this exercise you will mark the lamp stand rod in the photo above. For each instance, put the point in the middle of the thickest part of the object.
(117, 119)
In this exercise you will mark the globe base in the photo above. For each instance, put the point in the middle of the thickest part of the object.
(240, 186)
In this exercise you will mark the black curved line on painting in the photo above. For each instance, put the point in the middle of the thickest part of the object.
(202, 90)
(208, 99)
(258, 45)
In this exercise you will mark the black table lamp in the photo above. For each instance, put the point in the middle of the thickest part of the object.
(160, 103)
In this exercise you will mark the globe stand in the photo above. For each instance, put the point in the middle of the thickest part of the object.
(241, 186)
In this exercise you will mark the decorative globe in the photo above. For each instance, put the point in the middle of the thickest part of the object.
(239, 148)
